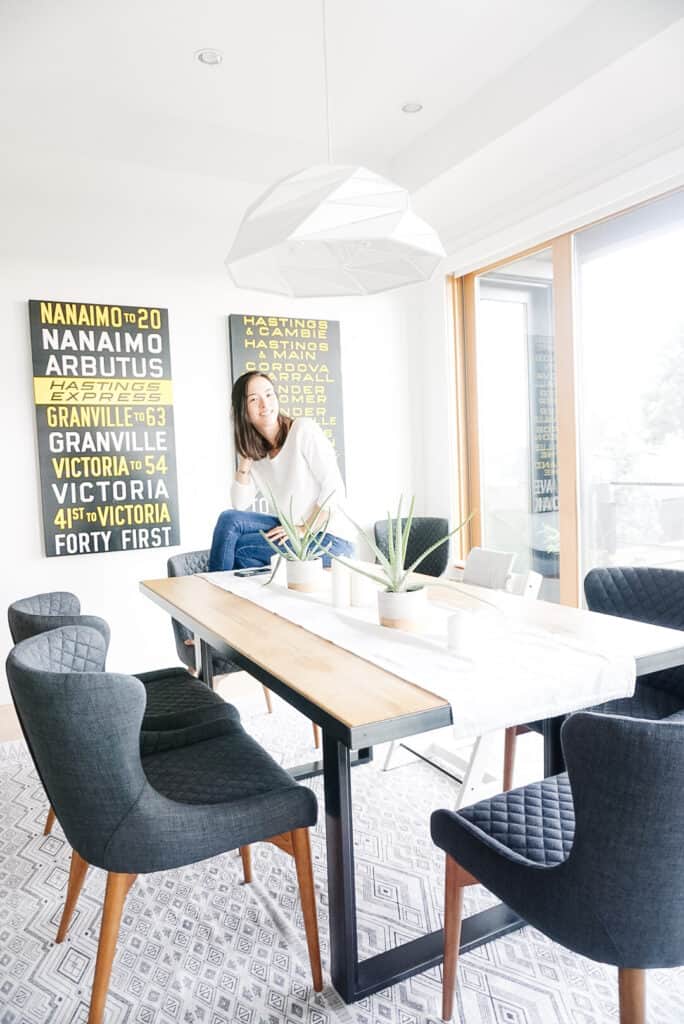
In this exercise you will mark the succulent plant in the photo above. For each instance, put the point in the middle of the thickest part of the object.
(305, 547)
(392, 574)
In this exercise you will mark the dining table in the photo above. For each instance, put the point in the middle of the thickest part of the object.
(364, 685)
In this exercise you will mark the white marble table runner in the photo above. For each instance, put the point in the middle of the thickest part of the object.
(514, 672)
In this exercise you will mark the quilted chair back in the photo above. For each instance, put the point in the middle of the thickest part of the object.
(82, 727)
(626, 867)
(638, 592)
(186, 564)
(33, 615)
(645, 594)
(425, 531)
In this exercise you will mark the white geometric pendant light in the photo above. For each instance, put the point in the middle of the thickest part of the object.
(333, 230)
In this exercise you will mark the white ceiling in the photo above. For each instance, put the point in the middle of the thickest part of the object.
(117, 84)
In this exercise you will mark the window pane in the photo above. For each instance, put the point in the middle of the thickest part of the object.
(631, 387)
(517, 415)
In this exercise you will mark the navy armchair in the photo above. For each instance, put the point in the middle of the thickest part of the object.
(40, 612)
(645, 594)
(593, 858)
(187, 564)
(178, 709)
(130, 813)
(425, 530)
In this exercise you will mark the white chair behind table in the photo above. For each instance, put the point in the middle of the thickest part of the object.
(487, 568)
(491, 569)
(525, 584)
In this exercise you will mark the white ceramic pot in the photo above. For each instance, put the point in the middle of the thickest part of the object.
(403, 610)
(305, 576)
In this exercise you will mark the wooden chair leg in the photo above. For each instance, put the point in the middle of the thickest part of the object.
(453, 912)
(246, 854)
(317, 736)
(115, 896)
(49, 822)
(301, 851)
(632, 992)
(509, 757)
(267, 695)
(77, 873)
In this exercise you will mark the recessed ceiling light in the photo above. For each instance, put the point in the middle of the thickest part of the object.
(412, 108)
(211, 57)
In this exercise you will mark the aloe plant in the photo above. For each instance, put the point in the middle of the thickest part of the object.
(393, 576)
(305, 547)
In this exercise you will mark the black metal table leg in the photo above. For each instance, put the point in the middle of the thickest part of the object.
(341, 890)
(427, 951)
(554, 762)
(206, 672)
(315, 768)
(353, 979)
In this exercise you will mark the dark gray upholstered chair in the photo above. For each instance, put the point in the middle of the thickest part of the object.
(131, 813)
(178, 710)
(187, 564)
(645, 594)
(593, 858)
(425, 530)
(32, 615)
(651, 595)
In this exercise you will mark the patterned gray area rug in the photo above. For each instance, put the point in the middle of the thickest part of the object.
(196, 945)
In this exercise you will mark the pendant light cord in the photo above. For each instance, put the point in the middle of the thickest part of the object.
(325, 80)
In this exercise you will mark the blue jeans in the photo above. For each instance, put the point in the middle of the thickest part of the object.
(238, 544)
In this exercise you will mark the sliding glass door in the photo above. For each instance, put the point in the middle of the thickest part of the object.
(630, 331)
(516, 418)
(570, 368)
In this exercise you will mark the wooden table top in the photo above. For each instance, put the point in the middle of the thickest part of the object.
(350, 689)
(359, 694)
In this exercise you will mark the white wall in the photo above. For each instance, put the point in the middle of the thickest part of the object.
(87, 247)
(116, 233)
(425, 315)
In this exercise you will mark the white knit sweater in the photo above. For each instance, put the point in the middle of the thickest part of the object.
(304, 472)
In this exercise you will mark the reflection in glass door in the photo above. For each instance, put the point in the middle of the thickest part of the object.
(517, 423)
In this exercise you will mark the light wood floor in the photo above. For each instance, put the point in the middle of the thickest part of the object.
(9, 726)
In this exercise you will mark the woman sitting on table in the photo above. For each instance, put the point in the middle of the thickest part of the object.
(290, 459)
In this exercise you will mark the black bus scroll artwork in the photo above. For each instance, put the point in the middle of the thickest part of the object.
(104, 415)
(302, 357)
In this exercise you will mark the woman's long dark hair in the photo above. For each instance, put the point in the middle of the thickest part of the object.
(249, 443)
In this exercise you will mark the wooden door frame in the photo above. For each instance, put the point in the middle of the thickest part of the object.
(464, 300)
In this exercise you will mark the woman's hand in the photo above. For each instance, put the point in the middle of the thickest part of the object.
(277, 534)
(243, 470)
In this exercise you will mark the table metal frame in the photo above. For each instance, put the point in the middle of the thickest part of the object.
(353, 978)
